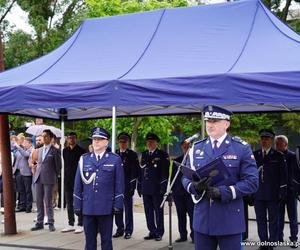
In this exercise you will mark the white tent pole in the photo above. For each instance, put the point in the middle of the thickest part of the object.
(202, 125)
(113, 128)
(62, 176)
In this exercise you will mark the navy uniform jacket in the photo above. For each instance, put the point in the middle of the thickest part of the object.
(106, 190)
(272, 175)
(178, 188)
(293, 172)
(213, 217)
(153, 178)
(131, 167)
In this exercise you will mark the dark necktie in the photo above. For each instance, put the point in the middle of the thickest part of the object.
(98, 157)
(215, 148)
(264, 154)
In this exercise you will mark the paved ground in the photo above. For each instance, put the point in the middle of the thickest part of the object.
(25, 239)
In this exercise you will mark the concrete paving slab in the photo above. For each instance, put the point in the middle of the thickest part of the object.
(43, 239)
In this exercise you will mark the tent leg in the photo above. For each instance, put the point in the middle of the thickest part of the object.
(202, 126)
(113, 127)
(10, 226)
(62, 176)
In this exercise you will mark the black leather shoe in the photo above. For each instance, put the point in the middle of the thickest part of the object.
(127, 236)
(28, 210)
(37, 227)
(149, 237)
(117, 235)
(158, 238)
(20, 210)
(51, 228)
(181, 240)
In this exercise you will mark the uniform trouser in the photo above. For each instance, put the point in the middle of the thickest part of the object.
(291, 205)
(153, 210)
(70, 208)
(184, 205)
(26, 194)
(225, 242)
(128, 206)
(44, 194)
(246, 215)
(98, 223)
(262, 210)
(20, 190)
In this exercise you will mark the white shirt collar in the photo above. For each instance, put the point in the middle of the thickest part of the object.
(46, 147)
(220, 140)
(267, 150)
(101, 154)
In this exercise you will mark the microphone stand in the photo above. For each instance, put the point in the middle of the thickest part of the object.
(168, 195)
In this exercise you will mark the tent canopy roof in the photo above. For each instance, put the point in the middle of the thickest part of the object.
(237, 55)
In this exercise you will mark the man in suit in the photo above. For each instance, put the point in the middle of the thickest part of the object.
(272, 188)
(22, 154)
(290, 203)
(183, 200)
(99, 191)
(131, 168)
(48, 168)
(218, 213)
(153, 182)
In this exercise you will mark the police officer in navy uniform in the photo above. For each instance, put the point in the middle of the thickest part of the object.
(290, 203)
(183, 200)
(153, 184)
(219, 213)
(99, 191)
(272, 188)
(131, 167)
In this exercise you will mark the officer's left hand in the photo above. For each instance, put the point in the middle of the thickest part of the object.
(117, 210)
(213, 193)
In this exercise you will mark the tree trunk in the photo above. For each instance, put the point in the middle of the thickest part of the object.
(285, 10)
(136, 124)
(10, 226)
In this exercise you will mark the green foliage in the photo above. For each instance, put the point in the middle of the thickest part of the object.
(98, 8)
(19, 49)
(247, 126)
(291, 121)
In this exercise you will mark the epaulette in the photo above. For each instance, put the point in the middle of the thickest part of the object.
(85, 154)
(202, 140)
(115, 154)
(238, 139)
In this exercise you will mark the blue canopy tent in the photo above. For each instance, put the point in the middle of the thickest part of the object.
(237, 55)
(168, 61)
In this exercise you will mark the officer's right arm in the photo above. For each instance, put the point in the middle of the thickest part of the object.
(78, 189)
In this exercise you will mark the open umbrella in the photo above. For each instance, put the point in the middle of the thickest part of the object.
(38, 130)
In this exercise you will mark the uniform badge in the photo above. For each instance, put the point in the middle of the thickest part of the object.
(198, 151)
(230, 157)
(227, 142)
(106, 155)
(202, 153)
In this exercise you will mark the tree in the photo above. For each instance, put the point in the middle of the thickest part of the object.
(98, 8)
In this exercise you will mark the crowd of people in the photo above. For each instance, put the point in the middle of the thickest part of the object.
(99, 185)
